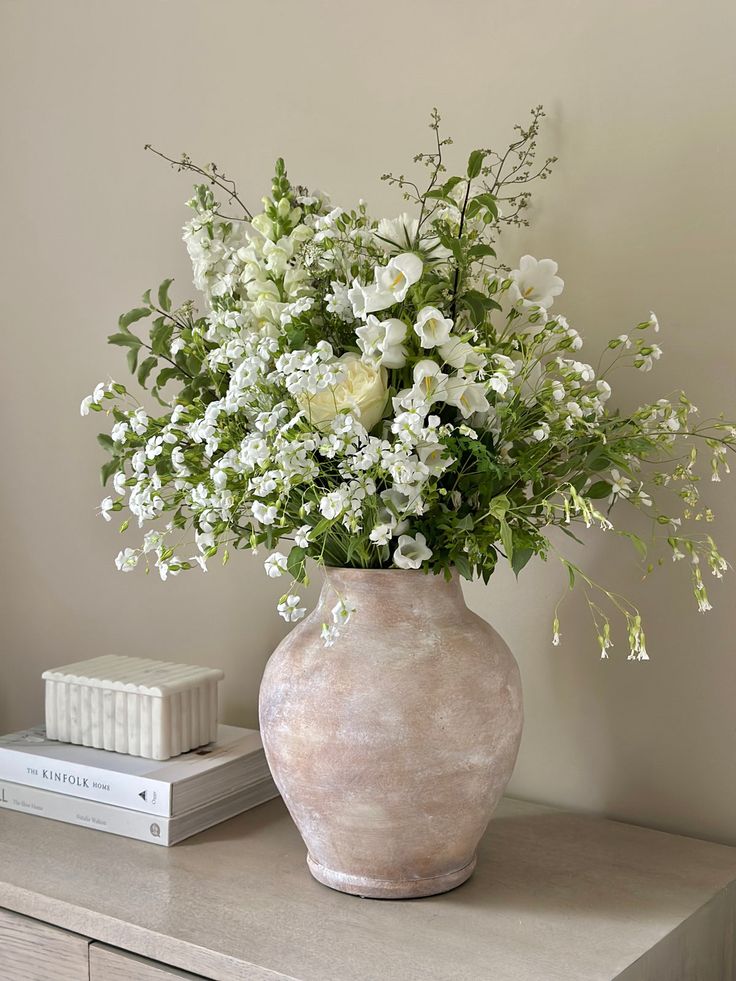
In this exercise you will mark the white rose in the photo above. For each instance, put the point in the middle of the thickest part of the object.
(362, 390)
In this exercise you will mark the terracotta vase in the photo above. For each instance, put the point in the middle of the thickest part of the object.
(392, 748)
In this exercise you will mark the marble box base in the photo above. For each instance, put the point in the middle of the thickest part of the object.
(132, 705)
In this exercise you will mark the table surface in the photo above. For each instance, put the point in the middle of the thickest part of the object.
(555, 896)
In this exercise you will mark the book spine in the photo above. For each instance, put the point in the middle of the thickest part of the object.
(85, 813)
(88, 782)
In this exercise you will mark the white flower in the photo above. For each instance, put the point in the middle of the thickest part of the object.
(400, 232)
(382, 342)
(266, 515)
(126, 560)
(118, 432)
(403, 234)
(462, 355)
(275, 565)
(152, 540)
(541, 432)
(301, 536)
(381, 534)
(341, 612)
(391, 285)
(290, 610)
(411, 552)
(401, 272)
(467, 394)
(433, 457)
(329, 634)
(170, 568)
(430, 382)
(362, 390)
(620, 485)
(106, 507)
(653, 322)
(393, 353)
(432, 328)
(333, 504)
(535, 283)
(94, 399)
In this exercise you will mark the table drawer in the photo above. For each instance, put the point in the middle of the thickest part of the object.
(33, 951)
(110, 964)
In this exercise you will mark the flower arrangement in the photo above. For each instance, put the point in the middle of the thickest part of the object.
(390, 394)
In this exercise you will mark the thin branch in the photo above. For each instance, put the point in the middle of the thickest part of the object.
(212, 175)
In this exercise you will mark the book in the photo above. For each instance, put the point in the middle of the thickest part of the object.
(133, 824)
(164, 788)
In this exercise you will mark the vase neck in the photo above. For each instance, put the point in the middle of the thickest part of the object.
(392, 592)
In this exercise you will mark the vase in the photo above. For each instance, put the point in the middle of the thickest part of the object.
(392, 747)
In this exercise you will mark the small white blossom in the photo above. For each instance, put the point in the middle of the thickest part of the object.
(341, 612)
(126, 560)
(275, 565)
(411, 551)
(290, 610)
(265, 514)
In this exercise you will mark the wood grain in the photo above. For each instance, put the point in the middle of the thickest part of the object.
(109, 964)
(555, 897)
(34, 951)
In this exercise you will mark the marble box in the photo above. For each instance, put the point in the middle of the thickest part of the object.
(132, 705)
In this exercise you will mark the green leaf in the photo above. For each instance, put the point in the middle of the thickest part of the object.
(499, 506)
(165, 375)
(476, 308)
(146, 368)
(520, 558)
(161, 335)
(124, 340)
(163, 294)
(107, 470)
(451, 183)
(321, 527)
(296, 563)
(475, 162)
(450, 243)
(570, 575)
(571, 534)
(637, 542)
(462, 564)
(437, 194)
(133, 359)
(147, 298)
(598, 490)
(507, 539)
(488, 202)
(139, 313)
(106, 442)
(480, 250)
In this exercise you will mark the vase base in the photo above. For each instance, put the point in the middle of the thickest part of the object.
(370, 888)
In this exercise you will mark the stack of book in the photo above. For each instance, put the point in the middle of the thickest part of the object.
(160, 802)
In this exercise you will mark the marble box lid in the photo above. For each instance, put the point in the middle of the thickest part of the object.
(119, 672)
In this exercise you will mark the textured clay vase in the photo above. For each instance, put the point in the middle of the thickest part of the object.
(392, 748)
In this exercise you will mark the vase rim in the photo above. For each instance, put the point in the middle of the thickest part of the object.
(353, 570)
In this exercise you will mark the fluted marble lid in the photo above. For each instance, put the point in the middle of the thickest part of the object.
(133, 674)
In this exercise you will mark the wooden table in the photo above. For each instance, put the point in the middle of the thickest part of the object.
(556, 897)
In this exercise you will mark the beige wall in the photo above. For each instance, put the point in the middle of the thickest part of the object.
(640, 98)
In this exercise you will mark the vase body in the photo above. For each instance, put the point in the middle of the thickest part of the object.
(392, 747)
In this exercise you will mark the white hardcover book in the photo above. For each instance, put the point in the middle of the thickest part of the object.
(133, 824)
(165, 788)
